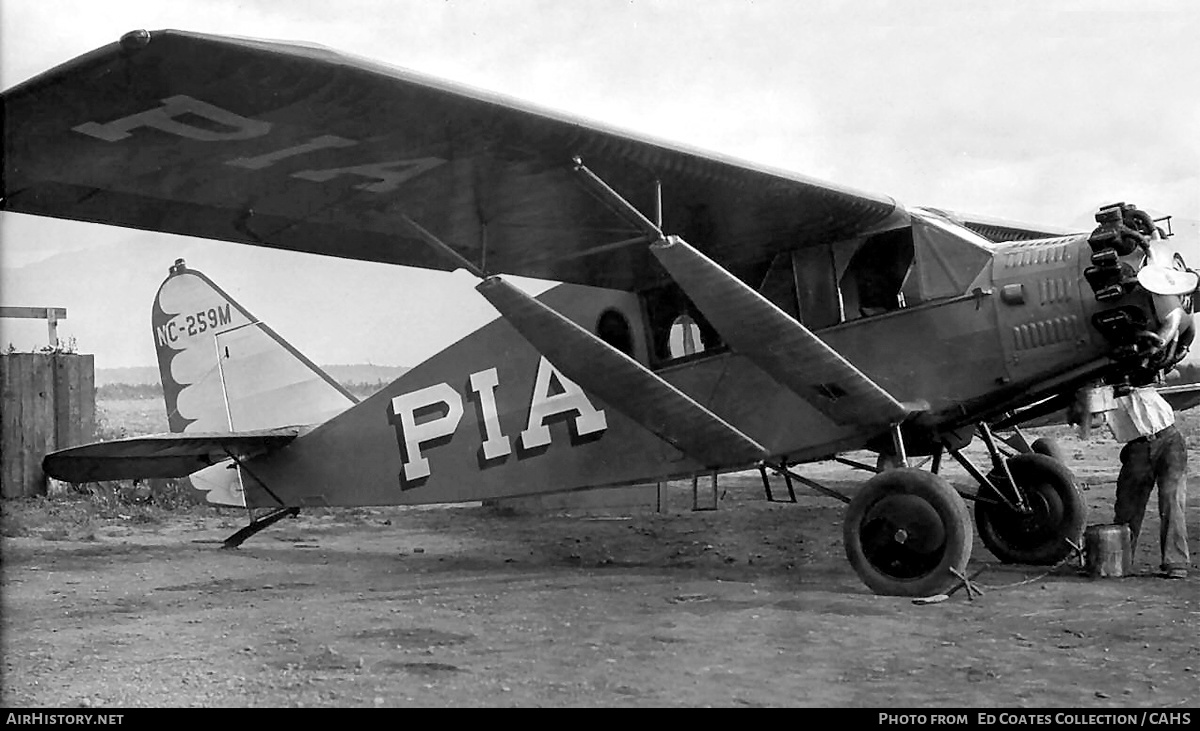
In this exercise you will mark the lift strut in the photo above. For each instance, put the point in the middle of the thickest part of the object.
(625, 209)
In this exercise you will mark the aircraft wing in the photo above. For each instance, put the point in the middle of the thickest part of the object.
(160, 455)
(998, 230)
(303, 148)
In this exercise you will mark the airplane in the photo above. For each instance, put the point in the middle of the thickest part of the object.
(711, 315)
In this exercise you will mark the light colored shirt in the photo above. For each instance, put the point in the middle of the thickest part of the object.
(1140, 413)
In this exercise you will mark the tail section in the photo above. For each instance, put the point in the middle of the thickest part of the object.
(224, 371)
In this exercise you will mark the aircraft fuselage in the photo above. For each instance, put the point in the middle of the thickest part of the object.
(491, 417)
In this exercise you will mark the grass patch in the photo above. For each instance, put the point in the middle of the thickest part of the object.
(49, 519)
(76, 515)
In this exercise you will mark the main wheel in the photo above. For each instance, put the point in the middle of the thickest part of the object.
(1057, 513)
(1050, 447)
(905, 530)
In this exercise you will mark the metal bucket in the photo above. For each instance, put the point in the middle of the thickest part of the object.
(1107, 550)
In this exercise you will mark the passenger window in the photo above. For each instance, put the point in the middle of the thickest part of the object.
(685, 337)
(676, 327)
(613, 328)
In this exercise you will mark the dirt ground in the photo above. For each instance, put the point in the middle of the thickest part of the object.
(753, 604)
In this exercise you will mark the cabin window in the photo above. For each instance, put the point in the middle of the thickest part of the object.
(684, 338)
(873, 281)
(676, 327)
(613, 328)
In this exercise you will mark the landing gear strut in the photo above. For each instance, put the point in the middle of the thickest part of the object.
(908, 532)
(1055, 512)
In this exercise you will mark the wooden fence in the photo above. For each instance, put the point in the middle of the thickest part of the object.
(49, 403)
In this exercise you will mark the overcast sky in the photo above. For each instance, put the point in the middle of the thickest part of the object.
(1035, 111)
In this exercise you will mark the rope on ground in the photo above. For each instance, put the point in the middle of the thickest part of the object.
(1076, 553)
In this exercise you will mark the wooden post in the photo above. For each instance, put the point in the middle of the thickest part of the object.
(52, 327)
(49, 403)
(52, 315)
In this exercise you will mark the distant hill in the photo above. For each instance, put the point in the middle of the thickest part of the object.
(139, 376)
(365, 373)
(345, 374)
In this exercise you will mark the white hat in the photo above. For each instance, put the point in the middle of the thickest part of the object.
(1158, 279)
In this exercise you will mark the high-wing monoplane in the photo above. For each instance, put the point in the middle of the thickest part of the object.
(713, 315)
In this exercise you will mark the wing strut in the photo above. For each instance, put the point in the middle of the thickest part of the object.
(443, 247)
(623, 383)
(623, 208)
(788, 352)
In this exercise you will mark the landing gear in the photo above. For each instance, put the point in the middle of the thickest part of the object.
(908, 532)
(1054, 511)
(904, 532)
(258, 524)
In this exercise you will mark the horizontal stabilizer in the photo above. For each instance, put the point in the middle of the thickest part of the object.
(160, 455)
(621, 382)
(786, 350)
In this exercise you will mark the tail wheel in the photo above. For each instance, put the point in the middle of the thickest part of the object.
(905, 530)
(1057, 513)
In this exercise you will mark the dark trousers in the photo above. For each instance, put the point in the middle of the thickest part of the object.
(1160, 459)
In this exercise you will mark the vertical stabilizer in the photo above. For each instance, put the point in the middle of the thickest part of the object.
(225, 371)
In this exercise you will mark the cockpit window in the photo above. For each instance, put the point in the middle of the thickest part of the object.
(932, 259)
(948, 258)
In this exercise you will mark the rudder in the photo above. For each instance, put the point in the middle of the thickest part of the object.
(224, 371)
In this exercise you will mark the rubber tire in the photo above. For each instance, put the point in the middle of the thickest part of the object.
(1050, 447)
(1060, 497)
(932, 495)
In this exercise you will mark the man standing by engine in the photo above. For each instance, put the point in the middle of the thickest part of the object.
(1154, 451)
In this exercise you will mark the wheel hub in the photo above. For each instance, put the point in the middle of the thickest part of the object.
(903, 536)
(1040, 521)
